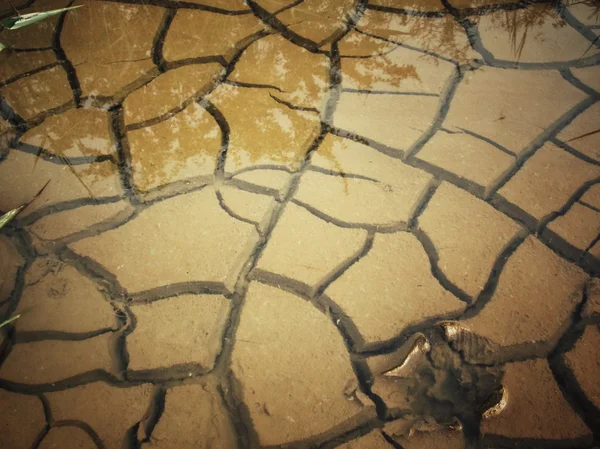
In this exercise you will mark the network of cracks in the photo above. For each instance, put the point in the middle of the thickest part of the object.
(346, 223)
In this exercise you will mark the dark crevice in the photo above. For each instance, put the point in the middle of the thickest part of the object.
(578, 154)
(275, 24)
(173, 4)
(252, 85)
(388, 227)
(10, 115)
(50, 209)
(41, 335)
(117, 127)
(131, 438)
(282, 282)
(575, 330)
(575, 197)
(520, 352)
(223, 125)
(345, 436)
(352, 427)
(382, 148)
(115, 101)
(568, 75)
(24, 125)
(118, 349)
(589, 206)
(353, 339)
(283, 168)
(94, 271)
(172, 373)
(239, 415)
(48, 421)
(351, 20)
(386, 346)
(164, 192)
(235, 55)
(29, 73)
(25, 249)
(436, 271)
(157, 408)
(389, 92)
(422, 203)
(441, 174)
(39, 437)
(171, 65)
(83, 426)
(221, 364)
(447, 131)
(445, 101)
(292, 106)
(232, 213)
(592, 243)
(114, 222)
(172, 112)
(391, 441)
(323, 284)
(341, 174)
(97, 375)
(56, 159)
(489, 288)
(471, 30)
(570, 252)
(515, 212)
(575, 24)
(47, 410)
(490, 141)
(65, 63)
(570, 386)
(177, 289)
(159, 40)
(254, 188)
(8, 341)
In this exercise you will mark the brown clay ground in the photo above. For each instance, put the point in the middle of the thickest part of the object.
(339, 223)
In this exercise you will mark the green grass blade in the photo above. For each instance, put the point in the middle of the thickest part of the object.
(2, 46)
(4, 219)
(14, 23)
(10, 320)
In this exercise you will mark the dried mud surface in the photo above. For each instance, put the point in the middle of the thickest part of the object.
(363, 224)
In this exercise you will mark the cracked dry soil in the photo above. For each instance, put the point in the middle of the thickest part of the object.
(362, 224)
